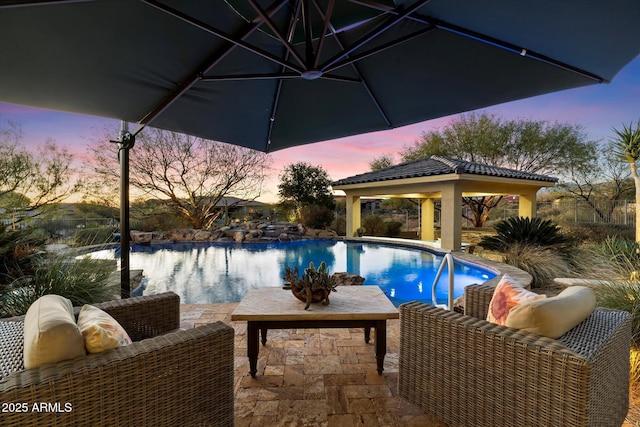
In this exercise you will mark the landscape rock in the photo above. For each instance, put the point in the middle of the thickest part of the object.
(141, 237)
(348, 279)
(202, 235)
(255, 230)
(179, 234)
(327, 234)
(284, 237)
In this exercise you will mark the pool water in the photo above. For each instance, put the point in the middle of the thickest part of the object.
(204, 273)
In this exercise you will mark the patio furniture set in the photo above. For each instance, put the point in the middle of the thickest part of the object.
(457, 367)
(166, 377)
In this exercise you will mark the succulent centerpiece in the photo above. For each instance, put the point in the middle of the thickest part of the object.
(313, 286)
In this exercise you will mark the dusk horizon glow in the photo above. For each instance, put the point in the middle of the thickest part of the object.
(598, 108)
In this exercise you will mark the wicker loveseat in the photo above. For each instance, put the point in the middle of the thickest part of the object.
(469, 372)
(166, 377)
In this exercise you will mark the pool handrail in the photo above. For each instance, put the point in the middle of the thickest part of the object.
(448, 259)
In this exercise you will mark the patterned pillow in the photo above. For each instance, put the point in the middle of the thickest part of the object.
(100, 331)
(508, 294)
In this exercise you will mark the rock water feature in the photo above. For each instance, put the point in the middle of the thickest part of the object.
(251, 231)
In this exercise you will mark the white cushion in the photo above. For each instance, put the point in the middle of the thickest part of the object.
(553, 317)
(50, 332)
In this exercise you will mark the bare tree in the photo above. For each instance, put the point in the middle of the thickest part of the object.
(600, 181)
(33, 180)
(191, 175)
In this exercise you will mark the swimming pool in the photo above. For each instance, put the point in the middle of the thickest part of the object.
(205, 273)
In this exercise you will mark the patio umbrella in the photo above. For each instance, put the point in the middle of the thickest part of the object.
(272, 74)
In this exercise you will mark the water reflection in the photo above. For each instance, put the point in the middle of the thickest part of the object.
(215, 273)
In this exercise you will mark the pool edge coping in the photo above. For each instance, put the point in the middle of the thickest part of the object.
(500, 268)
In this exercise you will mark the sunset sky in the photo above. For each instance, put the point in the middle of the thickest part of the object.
(598, 108)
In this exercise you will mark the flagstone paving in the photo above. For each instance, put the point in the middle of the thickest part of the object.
(315, 377)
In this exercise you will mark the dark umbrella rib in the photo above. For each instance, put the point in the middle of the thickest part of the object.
(479, 37)
(366, 86)
(376, 32)
(274, 76)
(186, 85)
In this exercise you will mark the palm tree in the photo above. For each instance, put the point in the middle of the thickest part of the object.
(627, 146)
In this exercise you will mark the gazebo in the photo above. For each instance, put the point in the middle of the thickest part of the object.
(444, 178)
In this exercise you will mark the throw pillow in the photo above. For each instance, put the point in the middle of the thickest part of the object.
(50, 332)
(101, 332)
(554, 316)
(508, 294)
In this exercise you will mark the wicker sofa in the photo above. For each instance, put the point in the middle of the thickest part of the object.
(166, 377)
(469, 372)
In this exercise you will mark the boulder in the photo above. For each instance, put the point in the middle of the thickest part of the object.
(254, 234)
(180, 234)
(311, 232)
(348, 279)
(284, 237)
(141, 237)
(202, 235)
(158, 236)
(238, 236)
(327, 234)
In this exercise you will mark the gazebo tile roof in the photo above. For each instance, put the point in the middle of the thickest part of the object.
(439, 165)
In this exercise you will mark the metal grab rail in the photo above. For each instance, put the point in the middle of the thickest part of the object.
(448, 258)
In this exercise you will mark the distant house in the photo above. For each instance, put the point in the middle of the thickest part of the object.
(367, 205)
(243, 209)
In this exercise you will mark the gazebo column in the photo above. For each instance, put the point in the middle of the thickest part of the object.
(353, 214)
(451, 217)
(527, 204)
(427, 230)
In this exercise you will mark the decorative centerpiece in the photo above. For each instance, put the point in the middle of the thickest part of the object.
(314, 286)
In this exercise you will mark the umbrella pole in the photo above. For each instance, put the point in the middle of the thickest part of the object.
(125, 142)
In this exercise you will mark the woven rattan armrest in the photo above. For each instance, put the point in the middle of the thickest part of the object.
(181, 378)
(145, 316)
(477, 299)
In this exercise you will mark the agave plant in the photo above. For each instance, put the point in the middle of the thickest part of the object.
(521, 230)
(314, 286)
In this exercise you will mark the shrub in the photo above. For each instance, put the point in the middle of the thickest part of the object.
(588, 262)
(374, 224)
(316, 216)
(596, 233)
(528, 231)
(83, 281)
(94, 236)
(622, 254)
(392, 228)
(17, 249)
(543, 264)
(339, 225)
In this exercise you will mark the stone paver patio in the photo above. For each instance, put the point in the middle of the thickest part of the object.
(313, 377)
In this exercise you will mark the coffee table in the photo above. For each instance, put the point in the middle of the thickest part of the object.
(351, 307)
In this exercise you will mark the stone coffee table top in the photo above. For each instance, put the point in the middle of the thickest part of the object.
(347, 303)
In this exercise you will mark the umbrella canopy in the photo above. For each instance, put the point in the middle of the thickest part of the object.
(271, 74)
